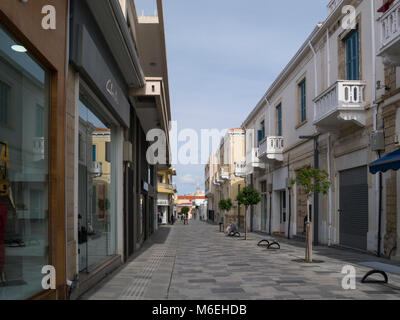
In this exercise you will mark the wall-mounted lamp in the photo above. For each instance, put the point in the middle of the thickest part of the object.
(379, 86)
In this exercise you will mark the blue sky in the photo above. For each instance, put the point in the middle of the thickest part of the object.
(222, 57)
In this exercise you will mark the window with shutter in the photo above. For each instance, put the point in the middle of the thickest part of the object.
(352, 56)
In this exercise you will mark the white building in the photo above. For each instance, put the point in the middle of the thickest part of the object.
(327, 93)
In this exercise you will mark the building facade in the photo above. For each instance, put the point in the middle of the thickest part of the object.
(78, 96)
(222, 179)
(166, 195)
(322, 111)
(32, 155)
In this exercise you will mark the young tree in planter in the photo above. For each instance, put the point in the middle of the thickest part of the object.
(225, 206)
(248, 197)
(185, 211)
(313, 181)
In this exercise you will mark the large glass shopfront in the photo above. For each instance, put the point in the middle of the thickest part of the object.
(96, 188)
(24, 171)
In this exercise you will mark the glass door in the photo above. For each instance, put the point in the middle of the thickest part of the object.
(96, 218)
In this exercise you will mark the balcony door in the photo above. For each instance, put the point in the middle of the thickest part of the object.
(352, 56)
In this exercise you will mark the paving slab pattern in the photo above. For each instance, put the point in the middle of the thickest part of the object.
(196, 262)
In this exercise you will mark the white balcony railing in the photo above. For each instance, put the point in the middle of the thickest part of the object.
(167, 186)
(224, 174)
(271, 148)
(217, 182)
(390, 33)
(96, 169)
(38, 149)
(253, 161)
(240, 169)
(343, 101)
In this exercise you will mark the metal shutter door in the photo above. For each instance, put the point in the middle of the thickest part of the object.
(354, 208)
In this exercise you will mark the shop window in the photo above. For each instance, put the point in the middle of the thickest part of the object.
(96, 203)
(4, 102)
(39, 121)
(24, 172)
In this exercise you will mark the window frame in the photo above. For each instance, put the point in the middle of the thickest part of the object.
(279, 120)
(302, 87)
(352, 55)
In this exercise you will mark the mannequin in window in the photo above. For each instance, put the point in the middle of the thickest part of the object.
(5, 199)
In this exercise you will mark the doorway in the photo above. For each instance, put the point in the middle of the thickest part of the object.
(264, 206)
(283, 215)
(353, 208)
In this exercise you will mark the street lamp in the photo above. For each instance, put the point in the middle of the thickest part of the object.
(316, 199)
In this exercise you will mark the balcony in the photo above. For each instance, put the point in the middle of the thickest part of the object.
(271, 148)
(217, 181)
(240, 169)
(253, 161)
(166, 186)
(38, 149)
(96, 169)
(389, 46)
(343, 102)
(224, 174)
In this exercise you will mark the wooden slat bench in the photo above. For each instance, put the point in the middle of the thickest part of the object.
(379, 268)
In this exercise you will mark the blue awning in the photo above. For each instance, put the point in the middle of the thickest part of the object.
(389, 162)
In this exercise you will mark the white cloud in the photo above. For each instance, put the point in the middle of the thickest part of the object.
(189, 179)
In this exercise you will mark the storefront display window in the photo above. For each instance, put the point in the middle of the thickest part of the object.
(96, 212)
(24, 171)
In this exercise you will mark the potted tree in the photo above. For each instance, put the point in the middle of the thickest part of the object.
(185, 212)
(313, 181)
(248, 197)
(225, 206)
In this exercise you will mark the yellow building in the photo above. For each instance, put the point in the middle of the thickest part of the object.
(165, 195)
(222, 180)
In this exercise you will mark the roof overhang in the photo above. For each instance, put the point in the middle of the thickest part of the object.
(112, 23)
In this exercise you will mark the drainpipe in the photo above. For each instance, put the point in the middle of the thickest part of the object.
(290, 197)
(378, 178)
(316, 154)
(330, 193)
(328, 60)
(315, 75)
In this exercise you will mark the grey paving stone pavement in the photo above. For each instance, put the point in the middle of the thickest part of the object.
(196, 262)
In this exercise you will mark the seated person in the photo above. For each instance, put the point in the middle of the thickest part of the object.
(228, 228)
(234, 227)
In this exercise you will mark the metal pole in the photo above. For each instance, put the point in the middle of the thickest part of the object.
(270, 213)
(316, 198)
(380, 212)
(290, 196)
(252, 207)
(238, 208)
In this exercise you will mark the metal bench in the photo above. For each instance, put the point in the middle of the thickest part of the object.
(269, 243)
(379, 268)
